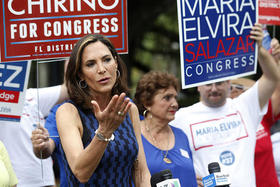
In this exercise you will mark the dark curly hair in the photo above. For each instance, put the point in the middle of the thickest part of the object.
(148, 86)
(81, 96)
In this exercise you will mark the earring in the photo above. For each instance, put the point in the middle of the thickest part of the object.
(82, 84)
(145, 113)
(118, 74)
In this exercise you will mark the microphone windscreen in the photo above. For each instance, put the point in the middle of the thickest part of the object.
(160, 176)
(214, 167)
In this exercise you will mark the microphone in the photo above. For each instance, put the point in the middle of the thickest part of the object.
(164, 179)
(214, 167)
(216, 178)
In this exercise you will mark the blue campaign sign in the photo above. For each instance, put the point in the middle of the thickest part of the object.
(13, 84)
(12, 75)
(214, 40)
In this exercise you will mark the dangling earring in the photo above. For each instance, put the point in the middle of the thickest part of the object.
(82, 84)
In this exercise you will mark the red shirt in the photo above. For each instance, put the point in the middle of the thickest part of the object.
(264, 162)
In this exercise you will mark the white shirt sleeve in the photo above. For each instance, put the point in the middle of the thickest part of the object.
(48, 97)
(250, 100)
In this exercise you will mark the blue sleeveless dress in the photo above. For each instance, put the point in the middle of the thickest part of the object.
(115, 167)
(180, 155)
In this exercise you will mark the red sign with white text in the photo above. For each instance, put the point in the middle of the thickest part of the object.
(9, 96)
(269, 12)
(49, 29)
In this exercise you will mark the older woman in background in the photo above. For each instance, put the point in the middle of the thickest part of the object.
(166, 147)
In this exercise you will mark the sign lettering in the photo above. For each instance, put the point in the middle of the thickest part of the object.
(49, 29)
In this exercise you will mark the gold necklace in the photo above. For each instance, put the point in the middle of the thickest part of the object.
(165, 158)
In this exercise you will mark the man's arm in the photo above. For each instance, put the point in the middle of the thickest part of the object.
(275, 99)
(63, 91)
(50, 96)
(63, 94)
(271, 74)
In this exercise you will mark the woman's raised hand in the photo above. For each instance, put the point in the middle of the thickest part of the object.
(113, 115)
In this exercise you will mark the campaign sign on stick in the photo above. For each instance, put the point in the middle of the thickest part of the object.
(269, 12)
(49, 28)
(214, 40)
(13, 84)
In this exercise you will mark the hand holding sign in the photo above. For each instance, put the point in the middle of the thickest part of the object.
(256, 33)
(275, 49)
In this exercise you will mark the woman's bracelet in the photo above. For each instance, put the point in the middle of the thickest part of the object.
(102, 137)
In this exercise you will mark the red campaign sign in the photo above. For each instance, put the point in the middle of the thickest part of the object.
(269, 12)
(50, 28)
